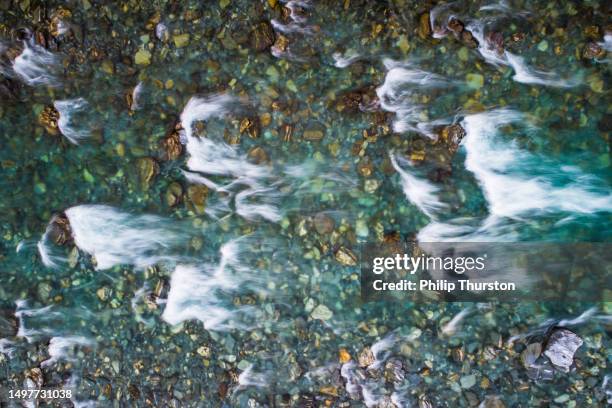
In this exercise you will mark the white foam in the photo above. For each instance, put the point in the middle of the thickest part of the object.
(114, 237)
(528, 75)
(397, 92)
(488, 52)
(606, 387)
(341, 61)
(63, 349)
(250, 185)
(136, 96)
(419, 192)
(298, 23)
(35, 66)
(515, 193)
(68, 126)
(455, 323)
(250, 378)
(607, 43)
(7, 347)
(202, 292)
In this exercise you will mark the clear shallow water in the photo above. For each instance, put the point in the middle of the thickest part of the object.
(215, 276)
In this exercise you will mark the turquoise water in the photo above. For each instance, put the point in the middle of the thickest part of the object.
(186, 187)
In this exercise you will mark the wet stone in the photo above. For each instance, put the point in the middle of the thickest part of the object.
(531, 354)
(142, 57)
(424, 29)
(455, 25)
(48, 118)
(197, 195)
(262, 36)
(258, 155)
(593, 50)
(8, 323)
(314, 132)
(492, 401)
(321, 312)
(174, 194)
(171, 145)
(147, 170)
(59, 229)
(250, 126)
(345, 257)
(323, 223)
(468, 39)
(561, 347)
(366, 357)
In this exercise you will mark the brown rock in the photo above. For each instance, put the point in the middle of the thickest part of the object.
(198, 194)
(468, 39)
(314, 132)
(262, 36)
(250, 126)
(171, 145)
(424, 29)
(323, 223)
(147, 170)
(49, 118)
(455, 25)
(174, 194)
(593, 50)
(366, 357)
(345, 257)
(258, 155)
(59, 229)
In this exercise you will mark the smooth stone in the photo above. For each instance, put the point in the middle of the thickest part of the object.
(468, 381)
(321, 312)
(475, 81)
(142, 57)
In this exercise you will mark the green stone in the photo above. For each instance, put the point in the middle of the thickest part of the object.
(142, 57)
(474, 81)
(181, 40)
(543, 45)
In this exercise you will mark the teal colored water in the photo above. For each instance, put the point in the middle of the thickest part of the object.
(186, 188)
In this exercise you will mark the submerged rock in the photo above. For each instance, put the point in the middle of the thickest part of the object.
(346, 257)
(561, 347)
(262, 36)
(321, 312)
(147, 170)
(174, 194)
(452, 135)
(492, 401)
(314, 132)
(593, 50)
(197, 195)
(258, 155)
(323, 223)
(49, 118)
(250, 126)
(171, 145)
(8, 323)
(366, 357)
(424, 29)
(59, 229)
(455, 25)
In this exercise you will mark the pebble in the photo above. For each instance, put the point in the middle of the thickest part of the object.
(561, 347)
(321, 312)
(475, 81)
(468, 381)
(181, 40)
(142, 57)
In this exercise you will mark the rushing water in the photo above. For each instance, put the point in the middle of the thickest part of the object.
(185, 186)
